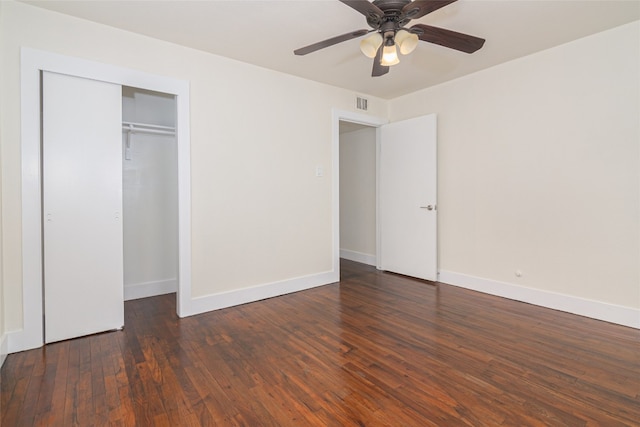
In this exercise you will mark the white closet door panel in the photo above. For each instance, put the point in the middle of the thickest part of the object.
(408, 215)
(82, 206)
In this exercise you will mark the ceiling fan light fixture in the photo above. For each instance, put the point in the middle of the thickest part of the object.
(389, 56)
(370, 45)
(388, 34)
(406, 41)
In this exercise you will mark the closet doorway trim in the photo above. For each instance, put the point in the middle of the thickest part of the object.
(32, 63)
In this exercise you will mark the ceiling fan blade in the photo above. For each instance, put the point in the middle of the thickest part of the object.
(419, 8)
(366, 8)
(330, 42)
(448, 38)
(378, 68)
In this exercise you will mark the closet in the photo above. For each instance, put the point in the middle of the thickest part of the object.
(150, 193)
(109, 202)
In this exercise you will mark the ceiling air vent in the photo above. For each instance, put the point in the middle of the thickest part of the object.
(362, 103)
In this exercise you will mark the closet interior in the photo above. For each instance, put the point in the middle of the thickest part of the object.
(150, 193)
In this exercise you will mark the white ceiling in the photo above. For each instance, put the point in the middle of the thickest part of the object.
(265, 33)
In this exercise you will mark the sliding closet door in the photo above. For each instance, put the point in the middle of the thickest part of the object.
(82, 206)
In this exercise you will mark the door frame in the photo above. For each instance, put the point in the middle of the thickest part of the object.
(32, 63)
(362, 119)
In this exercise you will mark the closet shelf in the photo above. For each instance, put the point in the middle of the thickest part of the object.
(132, 127)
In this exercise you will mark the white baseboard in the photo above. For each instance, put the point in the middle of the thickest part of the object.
(4, 348)
(149, 289)
(358, 257)
(612, 313)
(21, 340)
(256, 293)
(25, 339)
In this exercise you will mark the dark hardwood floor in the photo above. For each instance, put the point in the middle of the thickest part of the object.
(376, 349)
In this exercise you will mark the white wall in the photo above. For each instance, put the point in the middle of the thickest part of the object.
(150, 197)
(259, 213)
(358, 195)
(538, 163)
(3, 340)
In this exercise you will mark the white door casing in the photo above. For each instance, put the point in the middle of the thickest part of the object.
(82, 206)
(407, 198)
(363, 119)
(32, 63)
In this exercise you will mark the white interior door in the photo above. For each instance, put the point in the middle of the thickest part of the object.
(82, 206)
(407, 205)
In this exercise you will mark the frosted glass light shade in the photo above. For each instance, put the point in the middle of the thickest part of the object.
(389, 56)
(406, 41)
(369, 45)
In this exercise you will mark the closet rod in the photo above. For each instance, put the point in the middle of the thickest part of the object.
(139, 130)
(147, 125)
(146, 128)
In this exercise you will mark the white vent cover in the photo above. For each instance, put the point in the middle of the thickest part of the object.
(362, 103)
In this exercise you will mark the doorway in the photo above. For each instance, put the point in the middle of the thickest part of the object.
(350, 121)
(149, 193)
(406, 175)
(358, 193)
(33, 63)
(109, 205)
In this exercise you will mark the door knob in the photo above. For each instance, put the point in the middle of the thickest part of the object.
(428, 207)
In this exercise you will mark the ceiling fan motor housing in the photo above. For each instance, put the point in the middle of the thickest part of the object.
(392, 14)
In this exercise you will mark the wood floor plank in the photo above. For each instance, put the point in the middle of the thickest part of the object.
(32, 393)
(376, 349)
(50, 406)
(23, 369)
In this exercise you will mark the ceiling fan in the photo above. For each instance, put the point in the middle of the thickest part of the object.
(388, 18)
